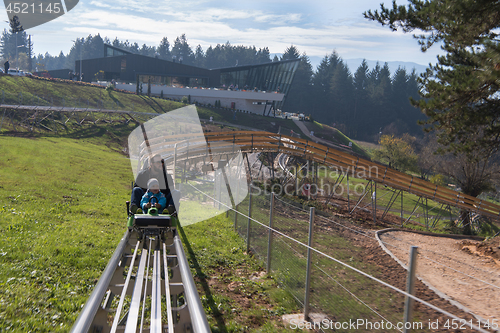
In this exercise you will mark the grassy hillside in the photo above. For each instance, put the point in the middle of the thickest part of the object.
(61, 203)
(62, 214)
(40, 91)
(252, 120)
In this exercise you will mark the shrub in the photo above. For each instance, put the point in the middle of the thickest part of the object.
(437, 179)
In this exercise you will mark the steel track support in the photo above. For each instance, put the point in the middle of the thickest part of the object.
(392, 200)
(413, 212)
(348, 194)
(438, 217)
(365, 192)
(337, 181)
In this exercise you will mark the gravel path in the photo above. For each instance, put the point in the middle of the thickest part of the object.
(454, 268)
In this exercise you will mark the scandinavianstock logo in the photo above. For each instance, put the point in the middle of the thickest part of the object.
(32, 13)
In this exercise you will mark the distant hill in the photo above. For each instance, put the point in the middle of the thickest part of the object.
(353, 64)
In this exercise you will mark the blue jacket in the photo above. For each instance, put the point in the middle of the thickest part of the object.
(160, 198)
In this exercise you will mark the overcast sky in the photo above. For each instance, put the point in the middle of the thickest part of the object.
(316, 27)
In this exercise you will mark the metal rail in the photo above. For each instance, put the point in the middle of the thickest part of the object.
(162, 289)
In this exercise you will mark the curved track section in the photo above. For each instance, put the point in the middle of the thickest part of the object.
(249, 141)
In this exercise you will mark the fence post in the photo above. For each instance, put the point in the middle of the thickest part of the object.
(348, 203)
(236, 206)
(249, 216)
(215, 187)
(402, 216)
(175, 164)
(270, 236)
(308, 270)
(219, 188)
(410, 286)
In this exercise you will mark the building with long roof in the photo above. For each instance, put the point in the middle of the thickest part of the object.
(254, 88)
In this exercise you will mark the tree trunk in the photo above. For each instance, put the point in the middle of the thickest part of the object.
(465, 217)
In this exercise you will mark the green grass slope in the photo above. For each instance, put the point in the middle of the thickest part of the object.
(62, 214)
(40, 91)
(61, 203)
(252, 120)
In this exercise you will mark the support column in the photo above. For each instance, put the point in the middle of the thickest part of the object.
(249, 216)
(348, 203)
(410, 286)
(402, 215)
(308, 269)
(270, 235)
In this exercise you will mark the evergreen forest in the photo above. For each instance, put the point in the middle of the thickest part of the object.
(364, 104)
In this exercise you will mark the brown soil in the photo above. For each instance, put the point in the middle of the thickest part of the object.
(481, 260)
(471, 254)
(244, 296)
(391, 272)
(454, 267)
(488, 249)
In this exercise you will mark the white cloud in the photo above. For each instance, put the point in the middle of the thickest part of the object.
(315, 27)
(100, 4)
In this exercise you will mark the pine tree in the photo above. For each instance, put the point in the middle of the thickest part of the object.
(182, 51)
(14, 42)
(94, 46)
(291, 52)
(361, 99)
(199, 57)
(164, 49)
(461, 90)
(342, 94)
(301, 88)
(263, 56)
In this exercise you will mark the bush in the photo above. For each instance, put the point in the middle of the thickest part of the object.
(437, 179)
(185, 99)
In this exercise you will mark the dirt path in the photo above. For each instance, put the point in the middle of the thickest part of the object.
(454, 267)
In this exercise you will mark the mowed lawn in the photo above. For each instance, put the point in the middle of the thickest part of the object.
(62, 213)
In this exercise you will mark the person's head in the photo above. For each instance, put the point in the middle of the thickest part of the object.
(155, 162)
(154, 185)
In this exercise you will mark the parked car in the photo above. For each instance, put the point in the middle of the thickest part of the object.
(16, 72)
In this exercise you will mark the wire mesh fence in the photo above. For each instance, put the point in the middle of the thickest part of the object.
(346, 292)
(364, 197)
